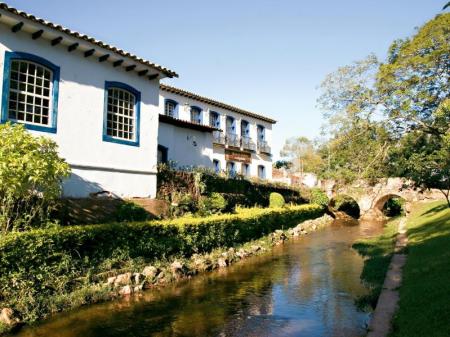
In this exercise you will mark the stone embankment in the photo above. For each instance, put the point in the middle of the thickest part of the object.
(155, 276)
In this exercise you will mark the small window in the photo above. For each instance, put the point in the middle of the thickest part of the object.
(122, 114)
(231, 169)
(231, 125)
(214, 119)
(170, 108)
(216, 165)
(245, 170)
(261, 133)
(261, 172)
(245, 129)
(196, 115)
(32, 91)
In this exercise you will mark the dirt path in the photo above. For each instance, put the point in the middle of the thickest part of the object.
(380, 324)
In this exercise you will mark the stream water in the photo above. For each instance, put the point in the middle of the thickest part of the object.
(305, 287)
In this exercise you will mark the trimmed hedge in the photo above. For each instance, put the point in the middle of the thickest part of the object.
(39, 265)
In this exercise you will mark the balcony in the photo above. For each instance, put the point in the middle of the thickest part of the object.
(247, 144)
(232, 139)
(218, 138)
(263, 147)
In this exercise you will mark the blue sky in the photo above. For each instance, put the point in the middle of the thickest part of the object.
(265, 56)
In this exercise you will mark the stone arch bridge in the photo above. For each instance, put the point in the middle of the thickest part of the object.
(371, 198)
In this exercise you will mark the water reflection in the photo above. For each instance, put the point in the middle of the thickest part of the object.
(304, 288)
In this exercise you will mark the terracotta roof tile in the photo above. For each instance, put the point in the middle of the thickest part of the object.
(207, 100)
(166, 71)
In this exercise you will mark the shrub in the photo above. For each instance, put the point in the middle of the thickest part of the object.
(30, 177)
(276, 200)
(394, 207)
(41, 265)
(318, 197)
(129, 211)
(215, 203)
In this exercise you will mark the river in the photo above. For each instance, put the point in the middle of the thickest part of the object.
(305, 287)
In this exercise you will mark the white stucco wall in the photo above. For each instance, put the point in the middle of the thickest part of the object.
(186, 147)
(215, 152)
(122, 169)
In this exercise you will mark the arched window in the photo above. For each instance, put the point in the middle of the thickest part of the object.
(261, 131)
(121, 114)
(196, 115)
(245, 129)
(214, 119)
(170, 107)
(216, 165)
(231, 169)
(31, 91)
(261, 172)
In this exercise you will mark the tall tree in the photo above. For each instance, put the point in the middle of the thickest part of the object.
(302, 153)
(415, 80)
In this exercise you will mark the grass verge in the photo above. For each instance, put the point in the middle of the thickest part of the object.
(378, 252)
(424, 308)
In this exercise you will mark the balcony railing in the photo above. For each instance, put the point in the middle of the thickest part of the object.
(247, 143)
(218, 138)
(263, 147)
(233, 140)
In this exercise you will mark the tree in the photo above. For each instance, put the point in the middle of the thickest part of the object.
(425, 158)
(30, 177)
(282, 164)
(415, 80)
(359, 141)
(302, 154)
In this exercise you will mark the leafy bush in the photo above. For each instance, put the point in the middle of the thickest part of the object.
(215, 203)
(276, 200)
(393, 207)
(39, 266)
(30, 177)
(318, 197)
(346, 204)
(129, 211)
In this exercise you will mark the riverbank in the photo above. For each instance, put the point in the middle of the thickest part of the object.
(47, 271)
(424, 307)
(303, 287)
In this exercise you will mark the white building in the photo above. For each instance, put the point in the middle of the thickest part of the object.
(99, 103)
(199, 131)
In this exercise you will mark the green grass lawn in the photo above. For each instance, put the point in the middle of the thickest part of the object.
(425, 291)
(378, 251)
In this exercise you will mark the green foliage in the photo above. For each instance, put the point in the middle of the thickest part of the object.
(179, 188)
(39, 266)
(129, 211)
(302, 154)
(415, 80)
(212, 204)
(412, 90)
(30, 178)
(318, 197)
(276, 200)
(282, 164)
(393, 207)
(346, 204)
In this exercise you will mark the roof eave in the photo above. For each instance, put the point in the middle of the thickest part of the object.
(11, 16)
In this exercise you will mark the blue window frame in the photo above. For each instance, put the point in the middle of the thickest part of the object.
(214, 119)
(170, 107)
(216, 165)
(30, 91)
(196, 115)
(121, 120)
